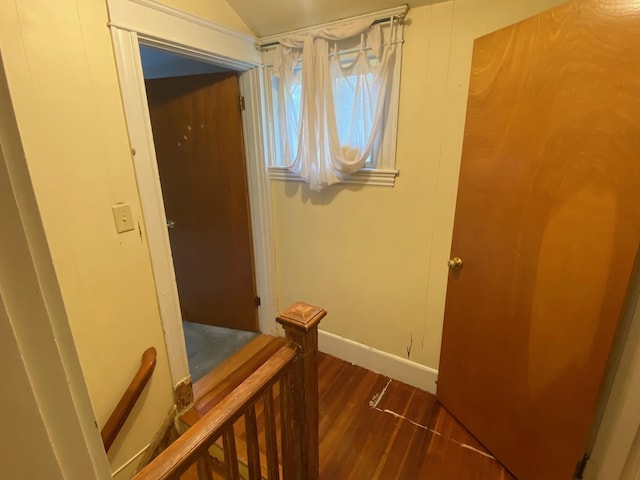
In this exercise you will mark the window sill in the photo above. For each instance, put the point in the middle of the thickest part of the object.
(366, 176)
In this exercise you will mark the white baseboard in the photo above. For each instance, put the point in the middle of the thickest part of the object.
(377, 361)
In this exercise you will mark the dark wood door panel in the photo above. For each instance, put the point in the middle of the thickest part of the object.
(197, 132)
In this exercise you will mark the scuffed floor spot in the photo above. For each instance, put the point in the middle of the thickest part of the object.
(378, 396)
(376, 399)
(473, 449)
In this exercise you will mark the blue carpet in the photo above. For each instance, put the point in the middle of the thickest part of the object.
(209, 346)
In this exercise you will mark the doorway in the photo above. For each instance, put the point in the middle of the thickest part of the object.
(198, 140)
(132, 25)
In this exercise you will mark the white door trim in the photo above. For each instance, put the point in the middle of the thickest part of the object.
(155, 21)
(143, 21)
(251, 87)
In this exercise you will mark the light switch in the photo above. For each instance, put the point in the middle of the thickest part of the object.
(123, 217)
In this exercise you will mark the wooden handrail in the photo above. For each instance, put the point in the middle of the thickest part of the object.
(129, 397)
(294, 368)
(186, 450)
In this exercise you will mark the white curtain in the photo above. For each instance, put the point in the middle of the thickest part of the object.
(331, 106)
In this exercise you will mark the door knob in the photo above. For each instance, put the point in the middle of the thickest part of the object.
(171, 224)
(455, 263)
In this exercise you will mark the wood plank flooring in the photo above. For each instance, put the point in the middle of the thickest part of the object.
(375, 428)
(372, 427)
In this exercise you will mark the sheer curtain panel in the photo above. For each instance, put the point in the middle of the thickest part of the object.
(333, 86)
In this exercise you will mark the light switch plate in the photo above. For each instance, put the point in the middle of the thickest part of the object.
(123, 217)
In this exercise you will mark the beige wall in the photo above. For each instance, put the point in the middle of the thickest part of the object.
(62, 80)
(20, 416)
(375, 257)
(217, 11)
(24, 429)
(47, 404)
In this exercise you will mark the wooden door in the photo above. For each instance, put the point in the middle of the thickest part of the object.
(197, 131)
(548, 226)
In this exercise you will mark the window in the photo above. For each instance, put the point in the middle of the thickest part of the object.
(353, 92)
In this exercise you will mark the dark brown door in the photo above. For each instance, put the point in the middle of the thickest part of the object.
(548, 226)
(197, 131)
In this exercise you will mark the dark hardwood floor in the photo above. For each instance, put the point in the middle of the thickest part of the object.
(375, 428)
(372, 427)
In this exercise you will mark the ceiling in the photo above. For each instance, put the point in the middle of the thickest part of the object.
(161, 64)
(276, 16)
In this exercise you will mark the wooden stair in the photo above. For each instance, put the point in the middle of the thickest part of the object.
(220, 382)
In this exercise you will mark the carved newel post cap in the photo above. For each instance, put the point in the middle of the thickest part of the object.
(301, 316)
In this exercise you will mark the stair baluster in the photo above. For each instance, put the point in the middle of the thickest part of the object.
(294, 368)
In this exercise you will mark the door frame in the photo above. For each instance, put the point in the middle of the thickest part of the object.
(616, 450)
(146, 22)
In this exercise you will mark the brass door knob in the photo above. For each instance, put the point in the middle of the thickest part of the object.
(171, 224)
(455, 263)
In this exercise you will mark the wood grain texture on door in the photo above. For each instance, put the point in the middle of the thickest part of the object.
(548, 226)
(197, 132)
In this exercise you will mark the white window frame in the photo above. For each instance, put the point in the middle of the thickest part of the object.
(385, 173)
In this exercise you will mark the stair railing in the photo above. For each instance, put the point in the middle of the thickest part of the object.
(294, 370)
(129, 398)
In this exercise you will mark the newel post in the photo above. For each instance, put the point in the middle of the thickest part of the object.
(300, 446)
